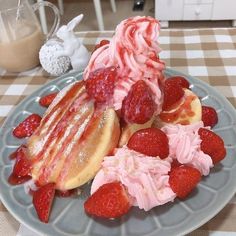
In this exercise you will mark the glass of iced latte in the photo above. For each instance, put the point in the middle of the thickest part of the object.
(21, 36)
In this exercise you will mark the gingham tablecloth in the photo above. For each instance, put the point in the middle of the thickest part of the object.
(208, 54)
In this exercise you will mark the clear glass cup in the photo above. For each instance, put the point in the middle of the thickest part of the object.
(21, 36)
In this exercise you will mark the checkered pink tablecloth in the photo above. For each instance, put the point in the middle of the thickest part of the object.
(208, 54)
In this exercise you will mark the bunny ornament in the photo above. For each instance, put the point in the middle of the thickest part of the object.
(57, 56)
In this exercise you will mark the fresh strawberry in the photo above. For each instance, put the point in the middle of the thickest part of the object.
(209, 116)
(42, 201)
(138, 106)
(101, 43)
(100, 84)
(172, 92)
(183, 180)
(212, 144)
(109, 201)
(66, 193)
(180, 80)
(14, 155)
(27, 126)
(150, 141)
(47, 100)
(175, 163)
(22, 165)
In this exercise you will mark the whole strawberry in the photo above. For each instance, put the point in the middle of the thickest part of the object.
(209, 116)
(172, 93)
(212, 144)
(100, 84)
(180, 80)
(138, 106)
(151, 142)
(42, 201)
(183, 179)
(109, 201)
(47, 100)
(27, 126)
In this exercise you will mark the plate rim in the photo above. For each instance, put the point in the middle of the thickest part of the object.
(78, 76)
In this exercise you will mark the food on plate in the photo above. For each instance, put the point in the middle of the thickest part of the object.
(141, 138)
(72, 139)
(110, 201)
(27, 127)
(47, 100)
(209, 116)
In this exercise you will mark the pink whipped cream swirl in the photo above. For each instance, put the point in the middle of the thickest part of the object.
(184, 145)
(146, 178)
(134, 51)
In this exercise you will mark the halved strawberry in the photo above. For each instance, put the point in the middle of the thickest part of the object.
(42, 201)
(172, 92)
(180, 80)
(150, 141)
(109, 201)
(183, 179)
(209, 116)
(138, 106)
(100, 84)
(27, 126)
(212, 144)
(47, 100)
(22, 165)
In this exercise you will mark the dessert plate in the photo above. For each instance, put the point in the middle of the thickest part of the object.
(68, 217)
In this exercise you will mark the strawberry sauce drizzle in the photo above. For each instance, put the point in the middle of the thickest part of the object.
(182, 112)
(50, 163)
(92, 125)
(59, 129)
(64, 102)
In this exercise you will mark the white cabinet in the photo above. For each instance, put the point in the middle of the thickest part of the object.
(186, 10)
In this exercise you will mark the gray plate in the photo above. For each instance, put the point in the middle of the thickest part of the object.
(178, 218)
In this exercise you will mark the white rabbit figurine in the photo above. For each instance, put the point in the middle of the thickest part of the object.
(72, 46)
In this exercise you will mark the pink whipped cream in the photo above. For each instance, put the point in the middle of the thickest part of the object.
(146, 178)
(184, 145)
(134, 51)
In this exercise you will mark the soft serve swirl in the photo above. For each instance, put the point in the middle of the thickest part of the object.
(134, 51)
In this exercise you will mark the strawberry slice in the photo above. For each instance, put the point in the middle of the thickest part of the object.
(27, 126)
(14, 155)
(212, 144)
(43, 200)
(22, 165)
(209, 116)
(150, 141)
(66, 193)
(138, 106)
(47, 100)
(172, 92)
(183, 179)
(109, 201)
(101, 43)
(180, 80)
(100, 84)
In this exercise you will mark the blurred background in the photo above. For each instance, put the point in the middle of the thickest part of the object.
(127, 8)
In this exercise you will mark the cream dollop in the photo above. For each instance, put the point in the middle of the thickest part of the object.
(184, 145)
(146, 178)
(134, 51)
